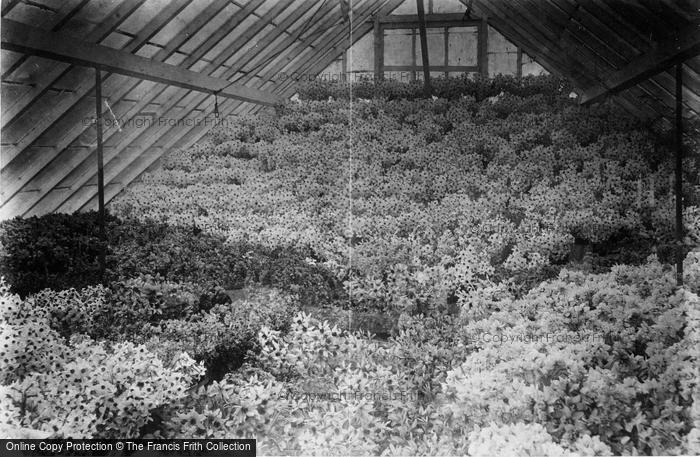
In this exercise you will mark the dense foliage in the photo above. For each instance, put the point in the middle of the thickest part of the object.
(410, 203)
(591, 364)
(520, 244)
(58, 252)
(475, 86)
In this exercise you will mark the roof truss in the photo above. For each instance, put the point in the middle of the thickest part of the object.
(667, 54)
(30, 40)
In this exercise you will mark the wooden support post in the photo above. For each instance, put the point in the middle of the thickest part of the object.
(414, 60)
(347, 13)
(483, 49)
(679, 174)
(519, 70)
(378, 49)
(446, 55)
(344, 66)
(424, 48)
(100, 170)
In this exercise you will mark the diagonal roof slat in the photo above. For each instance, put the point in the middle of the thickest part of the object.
(85, 171)
(48, 78)
(365, 12)
(669, 52)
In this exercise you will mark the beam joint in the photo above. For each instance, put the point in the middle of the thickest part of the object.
(424, 48)
(685, 45)
(24, 38)
(100, 171)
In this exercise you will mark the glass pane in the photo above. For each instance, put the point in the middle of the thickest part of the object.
(448, 6)
(361, 55)
(463, 46)
(407, 7)
(530, 67)
(499, 43)
(436, 47)
(503, 63)
(397, 47)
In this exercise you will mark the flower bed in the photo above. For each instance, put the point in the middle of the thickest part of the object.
(458, 218)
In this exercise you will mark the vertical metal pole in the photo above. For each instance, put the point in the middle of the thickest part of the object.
(345, 8)
(483, 49)
(344, 66)
(378, 49)
(679, 174)
(414, 65)
(424, 48)
(100, 168)
(447, 50)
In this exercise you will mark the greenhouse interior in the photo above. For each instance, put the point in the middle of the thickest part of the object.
(350, 227)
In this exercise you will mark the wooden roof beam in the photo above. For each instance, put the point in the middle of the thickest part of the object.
(284, 45)
(332, 29)
(535, 47)
(20, 37)
(134, 165)
(49, 169)
(519, 14)
(64, 13)
(30, 204)
(684, 46)
(79, 175)
(7, 5)
(48, 76)
(334, 49)
(544, 56)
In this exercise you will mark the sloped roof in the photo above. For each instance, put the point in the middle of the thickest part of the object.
(589, 40)
(48, 145)
(48, 160)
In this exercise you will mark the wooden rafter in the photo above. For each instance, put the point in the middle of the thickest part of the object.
(267, 40)
(20, 37)
(141, 144)
(287, 50)
(169, 110)
(45, 79)
(283, 46)
(69, 112)
(323, 56)
(263, 44)
(519, 14)
(534, 46)
(42, 167)
(603, 10)
(48, 170)
(64, 13)
(134, 167)
(668, 53)
(30, 129)
(7, 5)
(61, 176)
(116, 87)
(595, 26)
(70, 160)
(555, 61)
